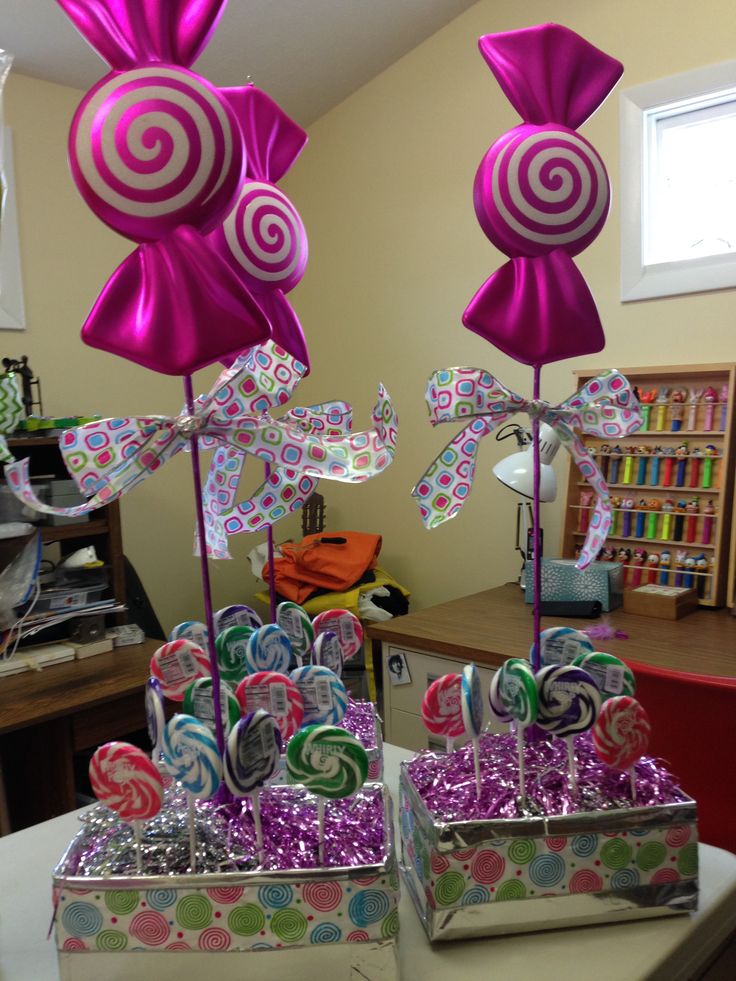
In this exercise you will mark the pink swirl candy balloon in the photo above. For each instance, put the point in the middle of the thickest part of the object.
(153, 148)
(621, 732)
(127, 781)
(442, 711)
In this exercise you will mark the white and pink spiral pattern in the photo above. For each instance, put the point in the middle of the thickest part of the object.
(154, 148)
(127, 781)
(621, 732)
(541, 188)
(266, 238)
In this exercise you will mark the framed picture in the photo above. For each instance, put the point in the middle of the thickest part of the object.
(398, 669)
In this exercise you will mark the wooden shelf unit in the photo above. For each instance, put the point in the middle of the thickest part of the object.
(716, 582)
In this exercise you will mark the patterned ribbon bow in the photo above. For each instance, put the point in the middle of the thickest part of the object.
(11, 412)
(605, 407)
(110, 457)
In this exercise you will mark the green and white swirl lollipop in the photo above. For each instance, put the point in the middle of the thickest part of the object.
(517, 692)
(612, 676)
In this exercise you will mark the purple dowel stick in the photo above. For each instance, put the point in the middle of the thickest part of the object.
(271, 573)
(537, 538)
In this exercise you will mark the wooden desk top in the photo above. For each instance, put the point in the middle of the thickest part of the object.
(490, 626)
(61, 689)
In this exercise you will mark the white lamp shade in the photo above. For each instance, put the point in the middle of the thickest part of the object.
(517, 471)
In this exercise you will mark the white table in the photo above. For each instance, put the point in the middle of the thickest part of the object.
(665, 949)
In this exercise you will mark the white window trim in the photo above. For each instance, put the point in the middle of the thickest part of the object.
(638, 280)
(12, 311)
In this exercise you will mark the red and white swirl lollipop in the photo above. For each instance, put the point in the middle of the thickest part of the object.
(621, 734)
(176, 665)
(126, 780)
(442, 711)
(346, 625)
(276, 694)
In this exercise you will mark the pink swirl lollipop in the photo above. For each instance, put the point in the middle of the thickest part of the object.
(176, 665)
(277, 694)
(127, 781)
(346, 625)
(621, 732)
(442, 711)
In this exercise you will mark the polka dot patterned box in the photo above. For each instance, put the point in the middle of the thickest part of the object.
(480, 878)
(340, 919)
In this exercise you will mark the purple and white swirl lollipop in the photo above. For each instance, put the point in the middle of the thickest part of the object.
(496, 705)
(252, 757)
(327, 651)
(154, 148)
(569, 703)
(155, 717)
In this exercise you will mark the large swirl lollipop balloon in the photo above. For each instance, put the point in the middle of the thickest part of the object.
(128, 782)
(569, 703)
(263, 238)
(542, 195)
(157, 154)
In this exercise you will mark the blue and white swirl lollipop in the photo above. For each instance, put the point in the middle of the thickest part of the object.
(569, 703)
(471, 701)
(191, 630)
(325, 696)
(327, 651)
(269, 649)
(252, 757)
(190, 751)
(155, 717)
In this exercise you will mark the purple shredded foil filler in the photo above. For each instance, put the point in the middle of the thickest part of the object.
(446, 783)
(360, 721)
(354, 835)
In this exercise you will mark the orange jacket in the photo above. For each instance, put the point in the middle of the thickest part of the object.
(331, 560)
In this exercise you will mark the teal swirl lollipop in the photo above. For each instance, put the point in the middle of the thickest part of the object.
(231, 647)
(471, 702)
(612, 676)
(328, 761)
(297, 625)
(517, 693)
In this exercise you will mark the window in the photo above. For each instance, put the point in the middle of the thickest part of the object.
(678, 186)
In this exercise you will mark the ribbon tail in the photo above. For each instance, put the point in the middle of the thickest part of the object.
(5, 455)
(19, 482)
(600, 520)
(218, 497)
(282, 493)
(328, 418)
(445, 485)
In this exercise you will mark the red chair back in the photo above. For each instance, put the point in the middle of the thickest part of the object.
(693, 720)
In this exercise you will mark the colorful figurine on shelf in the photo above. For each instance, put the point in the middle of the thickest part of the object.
(652, 567)
(608, 554)
(638, 560)
(665, 564)
(708, 518)
(694, 397)
(652, 517)
(680, 511)
(586, 499)
(627, 506)
(680, 558)
(647, 399)
(710, 397)
(710, 453)
(724, 408)
(605, 452)
(616, 453)
(701, 574)
(656, 453)
(662, 401)
(615, 515)
(669, 464)
(688, 580)
(692, 508)
(677, 410)
(629, 452)
(682, 453)
(695, 457)
(624, 557)
(668, 506)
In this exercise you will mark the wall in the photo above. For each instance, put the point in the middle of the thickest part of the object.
(384, 188)
(67, 255)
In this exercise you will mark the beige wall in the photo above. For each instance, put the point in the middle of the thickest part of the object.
(395, 254)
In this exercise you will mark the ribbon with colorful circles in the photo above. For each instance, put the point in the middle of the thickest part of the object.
(110, 457)
(605, 406)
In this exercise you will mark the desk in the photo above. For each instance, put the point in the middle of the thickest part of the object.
(47, 716)
(490, 626)
(671, 949)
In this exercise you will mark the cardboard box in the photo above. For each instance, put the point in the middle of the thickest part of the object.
(663, 602)
(562, 582)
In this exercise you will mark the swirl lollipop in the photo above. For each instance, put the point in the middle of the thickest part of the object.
(621, 734)
(198, 701)
(277, 694)
(191, 630)
(231, 648)
(569, 703)
(328, 761)
(346, 625)
(252, 757)
(561, 645)
(442, 711)
(297, 625)
(516, 690)
(155, 716)
(236, 615)
(542, 195)
(327, 652)
(612, 676)
(325, 696)
(190, 752)
(268, 649)
(471, 701)
(176, 664)
(127, 781)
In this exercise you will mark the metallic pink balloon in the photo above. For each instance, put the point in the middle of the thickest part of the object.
(541, 195)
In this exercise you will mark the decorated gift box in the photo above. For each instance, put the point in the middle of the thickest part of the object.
(473, 876)
(110, 918)
(562, 580)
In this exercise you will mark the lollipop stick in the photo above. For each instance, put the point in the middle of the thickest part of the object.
(192, 834)
(536, 531)
(522, 773)
(137, 839)
(256, 809)
(271, 573)
(321, 819)
(449, 744)
(571, 766)
(476, 764)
